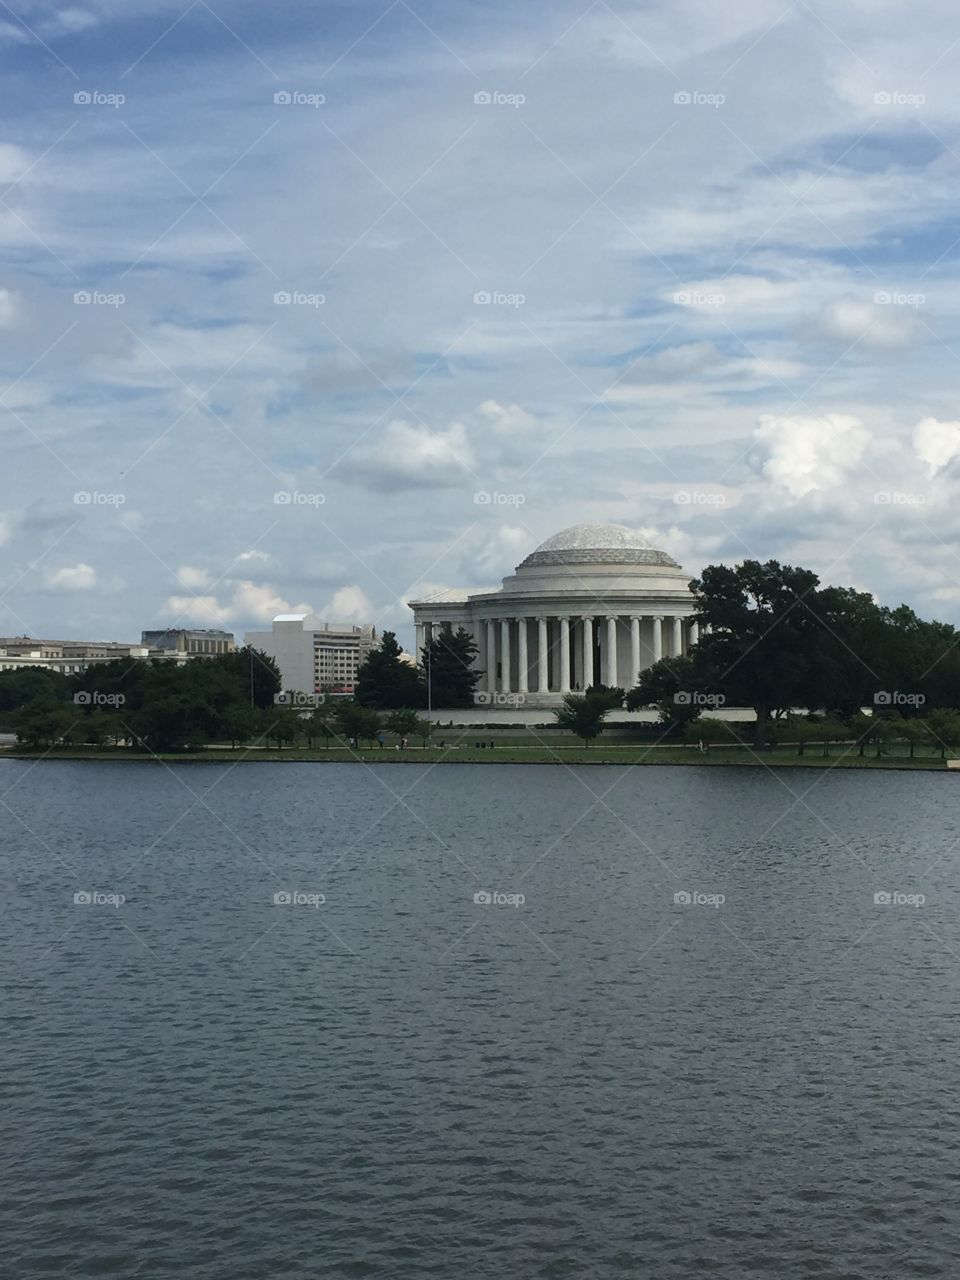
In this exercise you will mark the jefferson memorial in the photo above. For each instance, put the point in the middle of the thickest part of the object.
(594, 604)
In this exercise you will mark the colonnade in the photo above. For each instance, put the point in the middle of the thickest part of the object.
(560, 653)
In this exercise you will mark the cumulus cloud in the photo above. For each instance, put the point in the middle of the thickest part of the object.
(248, 602)
(349, 604)
(936, 443)
(867, 324)
(192, 578)
(77, 577)
(803, 454)
(413, 457)
(505, 419)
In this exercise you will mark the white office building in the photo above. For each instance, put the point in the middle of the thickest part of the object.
(315, 656)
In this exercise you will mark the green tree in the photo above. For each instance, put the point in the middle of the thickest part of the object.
(448, 668)
(582, 715)
(403, 722)
(386, 681)
(254, 671)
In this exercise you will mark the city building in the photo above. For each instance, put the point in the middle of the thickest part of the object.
(594, 604)
(65, 656)
(193, 643)
(315, 656)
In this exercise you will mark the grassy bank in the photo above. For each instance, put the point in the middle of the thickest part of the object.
(563, 753)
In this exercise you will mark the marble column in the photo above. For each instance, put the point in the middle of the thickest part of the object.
(610, 676)
(491, 656)
(523, 660)
(677, 646)
(505, 655)
(634, 651)
(418, 654)
(657, 637)
(564, 655)
(542, 669)
(693, 635)
(587, 664)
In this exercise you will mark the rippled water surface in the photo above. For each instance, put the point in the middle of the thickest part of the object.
(401, 1082)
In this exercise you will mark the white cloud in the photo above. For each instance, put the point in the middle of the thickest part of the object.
(78, 577)
(349, 604)
(9, 308)
(192, 578)
(867, 324)
(203, 611)
(409, 456)
(506, 419)
(936, 443)
(806, 453)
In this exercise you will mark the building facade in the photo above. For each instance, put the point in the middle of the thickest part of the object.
(193, 643)
(315, 656)
(68, 657)
(594, 604)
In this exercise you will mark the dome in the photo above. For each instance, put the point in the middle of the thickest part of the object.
(597, 544)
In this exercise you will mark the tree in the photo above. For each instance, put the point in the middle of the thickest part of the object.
(582, 715)
(403, 722)
(943, 728)
(386, 681)
(424, 728)
(670, 685)
(448, 668)
(254, 671)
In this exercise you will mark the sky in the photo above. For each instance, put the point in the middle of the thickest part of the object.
(329, 306)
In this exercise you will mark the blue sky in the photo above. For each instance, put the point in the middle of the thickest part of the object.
(720, 249)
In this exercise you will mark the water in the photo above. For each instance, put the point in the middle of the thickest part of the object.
(402, 1083)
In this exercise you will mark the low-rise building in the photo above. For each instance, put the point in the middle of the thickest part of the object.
(315, 656)
(194, 643)
(65, 656)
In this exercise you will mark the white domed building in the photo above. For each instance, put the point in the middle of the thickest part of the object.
(594, 604)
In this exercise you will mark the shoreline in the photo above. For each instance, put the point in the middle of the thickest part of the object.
(624, 756)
